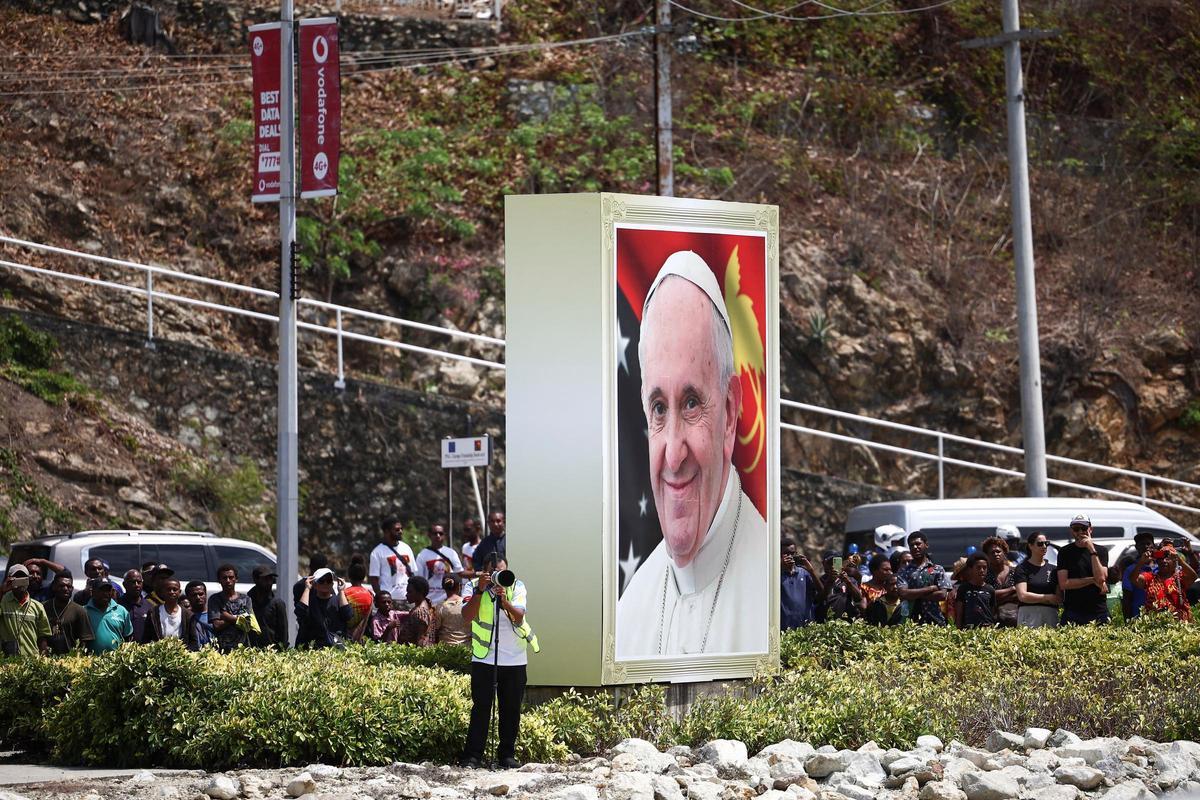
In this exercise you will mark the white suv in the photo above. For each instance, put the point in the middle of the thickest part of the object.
(193, 556)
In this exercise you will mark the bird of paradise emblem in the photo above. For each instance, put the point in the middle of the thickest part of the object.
(749, 362)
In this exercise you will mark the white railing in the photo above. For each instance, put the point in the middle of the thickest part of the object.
(337, 330)
(342, 313)
(941, 439)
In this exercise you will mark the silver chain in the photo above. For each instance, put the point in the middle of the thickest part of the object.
(662, 614)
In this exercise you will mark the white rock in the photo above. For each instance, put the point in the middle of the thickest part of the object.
(1174, 762)
(143, 778)
(865, 769)
(999, 740)
(1092, 750)
(870, 747)
(322, 772)
(631, 786)
(989, 786)
(798, 792)
(1114, 769)
(755, 772)
(666, 788)
(1086, 778)
(167, 792)
(953, 769)
(301, 784)
(827, 748)
(787, 768)
(855, 792)
(724, 753)
(222, 787)
(941, 790)
(906, 764)
(1038, 782)
(786, 749)
(822, 765)
(1042, 761)
(976, 757)
(1062, 737)
(930, 741)
(702, 772)
(642, 756)
(700, 790)
(1057, 792)
(1129, 790)
(1018, 773)
(1035, 738)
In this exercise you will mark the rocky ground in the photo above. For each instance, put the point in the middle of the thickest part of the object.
(1038, 764)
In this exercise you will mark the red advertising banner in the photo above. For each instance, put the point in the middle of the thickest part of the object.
(264, 64)
(320, 107)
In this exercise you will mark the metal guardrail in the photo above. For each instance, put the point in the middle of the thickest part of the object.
(338, 330)
(1145, 479)
(342, 313)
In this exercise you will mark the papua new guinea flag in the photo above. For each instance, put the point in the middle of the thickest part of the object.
(739, 263)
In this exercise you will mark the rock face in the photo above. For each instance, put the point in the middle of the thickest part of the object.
(366, 450)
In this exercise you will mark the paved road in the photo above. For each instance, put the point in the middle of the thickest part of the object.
(11, 774)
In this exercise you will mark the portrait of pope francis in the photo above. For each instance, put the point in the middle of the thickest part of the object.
(705, 588)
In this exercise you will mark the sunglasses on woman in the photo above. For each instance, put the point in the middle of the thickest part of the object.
(1040, 544)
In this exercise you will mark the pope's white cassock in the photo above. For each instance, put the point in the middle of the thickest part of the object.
(719, 603)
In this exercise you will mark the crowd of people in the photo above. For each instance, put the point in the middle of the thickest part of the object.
(392, 596)
(1003, 582)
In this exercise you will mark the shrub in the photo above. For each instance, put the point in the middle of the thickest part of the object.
(28, 357)
(842, 684)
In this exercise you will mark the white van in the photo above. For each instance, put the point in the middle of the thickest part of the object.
(953, 525)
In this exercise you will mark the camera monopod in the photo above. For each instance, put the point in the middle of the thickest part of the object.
(505, 580)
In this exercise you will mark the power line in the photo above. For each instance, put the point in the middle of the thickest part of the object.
(816, 17)
(396, 58)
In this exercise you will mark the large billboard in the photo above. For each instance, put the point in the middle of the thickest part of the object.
(691, 388)
(642, 445)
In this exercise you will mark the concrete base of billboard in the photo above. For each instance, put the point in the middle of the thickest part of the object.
(680, 697)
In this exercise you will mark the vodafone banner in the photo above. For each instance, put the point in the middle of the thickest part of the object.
(320, 107)
(264, 64)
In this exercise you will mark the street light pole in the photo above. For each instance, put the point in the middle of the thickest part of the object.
(287, 456)
(1033, 431)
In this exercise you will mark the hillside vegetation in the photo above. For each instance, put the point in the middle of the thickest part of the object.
(878, 136)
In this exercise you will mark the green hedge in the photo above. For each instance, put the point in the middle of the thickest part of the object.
(842, 684)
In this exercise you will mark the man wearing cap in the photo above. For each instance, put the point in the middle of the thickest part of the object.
(109, 619)
(1083, 573)
(702, 589)
(24, 626)
(268, 609)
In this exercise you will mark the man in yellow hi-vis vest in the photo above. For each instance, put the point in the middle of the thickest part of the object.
(500, 637)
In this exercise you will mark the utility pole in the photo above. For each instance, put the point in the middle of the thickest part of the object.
(662, 97)
(287, 456)
(1033, 431)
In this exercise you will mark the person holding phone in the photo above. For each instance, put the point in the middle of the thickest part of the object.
(323, 611)
(1167, 581)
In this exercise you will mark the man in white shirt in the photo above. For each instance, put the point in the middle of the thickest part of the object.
(392, 561)
(437, 561)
